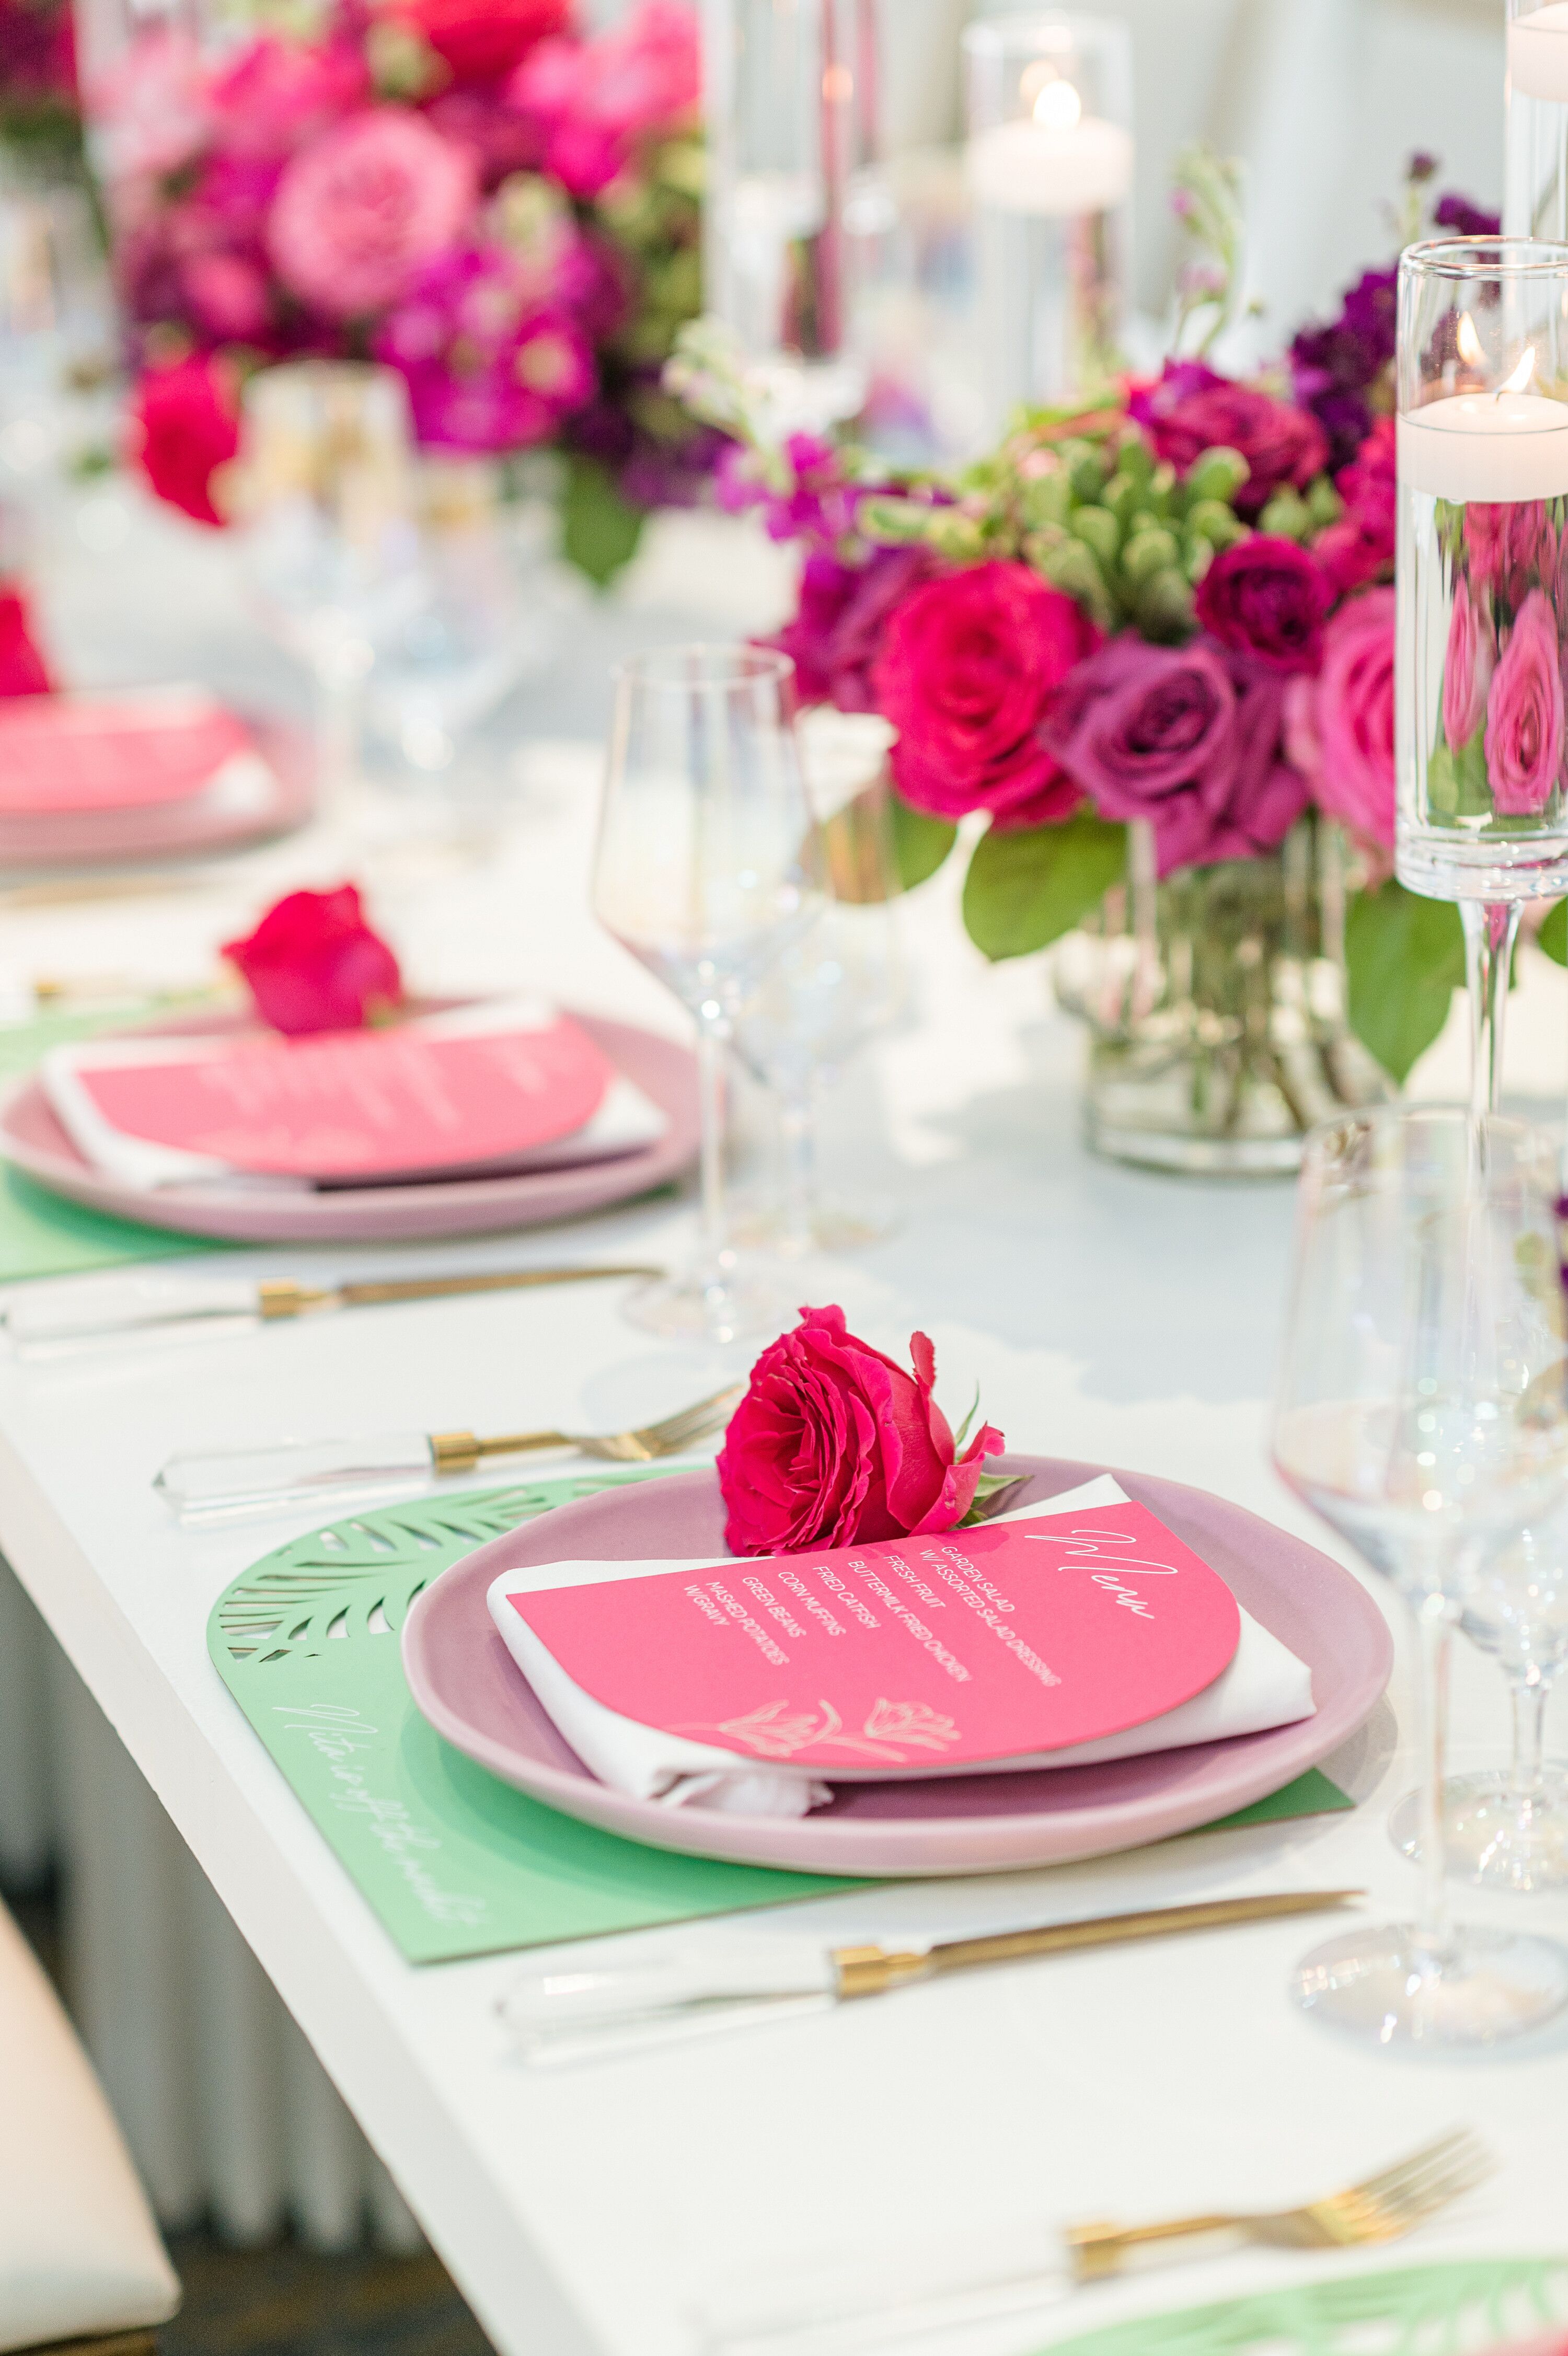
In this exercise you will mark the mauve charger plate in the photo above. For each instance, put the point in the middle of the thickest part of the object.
(200, 826)
(32, 1137)
(468, 1685)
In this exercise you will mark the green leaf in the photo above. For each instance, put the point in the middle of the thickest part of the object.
(1406, 958)
(1553, 933)
(921, 842)
(1024, 890)
(599, 529)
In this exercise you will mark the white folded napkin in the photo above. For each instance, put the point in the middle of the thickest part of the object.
(625, 1121)
(1264, 1686)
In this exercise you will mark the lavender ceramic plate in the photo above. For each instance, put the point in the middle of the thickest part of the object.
(32, 1137)
(206, 825)
(467, 1684)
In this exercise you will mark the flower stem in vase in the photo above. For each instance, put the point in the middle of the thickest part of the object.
(1491, 931)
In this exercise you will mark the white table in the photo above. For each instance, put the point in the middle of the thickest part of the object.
(1105, 1314)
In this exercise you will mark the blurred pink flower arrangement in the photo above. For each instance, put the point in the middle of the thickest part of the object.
(469, 190)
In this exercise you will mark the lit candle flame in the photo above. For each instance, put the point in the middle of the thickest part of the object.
(1521, 375)
(1058, 107)
(1471, 347)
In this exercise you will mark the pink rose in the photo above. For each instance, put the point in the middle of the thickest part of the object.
(1524, 714)
(185, 425)
(1339, 727)
(314, 964)
(1512, 546)
(274, 93)
(842, 619)
(836, 1445)
(1467, 668)
(152, 112)
(1267, 599)
(592, 102)
(967, 672)
(359, 212)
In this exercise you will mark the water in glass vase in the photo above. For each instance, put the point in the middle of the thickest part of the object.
(1482, 747)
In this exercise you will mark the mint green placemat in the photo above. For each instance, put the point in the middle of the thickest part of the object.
(41, 1234)
(1448, 2310)
(452, 1861)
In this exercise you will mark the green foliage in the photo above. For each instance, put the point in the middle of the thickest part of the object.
(1406, 958)
(599, 529)
(1024, 890)
(1553, 933)
(1456, 783)
(921, 842)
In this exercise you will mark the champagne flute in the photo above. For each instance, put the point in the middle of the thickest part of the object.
(707, 870)
(1423, 1412)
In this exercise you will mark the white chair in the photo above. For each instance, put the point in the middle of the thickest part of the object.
(81, 2260)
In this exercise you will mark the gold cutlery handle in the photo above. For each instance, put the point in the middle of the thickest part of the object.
(460, 1452)
(1097, 2252)
(445, 1287)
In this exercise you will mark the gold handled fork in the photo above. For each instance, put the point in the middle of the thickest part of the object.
(460, 1452)
(1379, 2209)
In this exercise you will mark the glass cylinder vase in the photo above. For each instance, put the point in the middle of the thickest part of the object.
(790, 109)
(1482, 748)
(1535, 178)
(1049, 159)
(1215, 1004)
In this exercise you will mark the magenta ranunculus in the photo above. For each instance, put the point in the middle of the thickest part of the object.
(1267, 599)
(967, 674)
(1191, 409)
(491, 362)
(1524, 714)
(273, 95)
(1187, 738)
(1467, 668)
(1340, 726)
(593, 100)
(836, 1444)
(1354, 550)
(842, 620)
(357, 213)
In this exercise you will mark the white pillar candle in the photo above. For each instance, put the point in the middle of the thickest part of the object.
(1487, 446)
(1538, 54)
(1031, 167)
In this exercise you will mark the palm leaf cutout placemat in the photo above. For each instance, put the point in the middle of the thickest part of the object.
(452, 1861)
(1447, 2310)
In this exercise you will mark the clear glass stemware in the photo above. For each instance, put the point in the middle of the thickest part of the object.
(707, 870)
(1422, 1411)
(834, 988)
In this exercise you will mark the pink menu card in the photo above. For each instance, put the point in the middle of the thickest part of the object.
(987, 1644)
(60, 753)
(359, 1105)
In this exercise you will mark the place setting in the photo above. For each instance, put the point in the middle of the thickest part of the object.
(783, 1205)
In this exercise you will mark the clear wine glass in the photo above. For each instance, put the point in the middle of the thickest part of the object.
(834, 988)
(1423, 1412)
(708, 870)
(1506, 1828)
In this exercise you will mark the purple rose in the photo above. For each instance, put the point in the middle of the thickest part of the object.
(836, 636)
(1267, 599)
(1524, 714)
(1188, 738)
(1191, 409)
(1467, 668)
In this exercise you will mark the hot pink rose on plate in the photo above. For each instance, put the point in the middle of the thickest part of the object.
(357, 213)
(1339, 727)
(836, 1444)
(1524, 714)
(967, 674)
(314, 964)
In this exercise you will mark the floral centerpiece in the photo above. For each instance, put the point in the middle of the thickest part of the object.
(468, 190)
(1149, 643)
